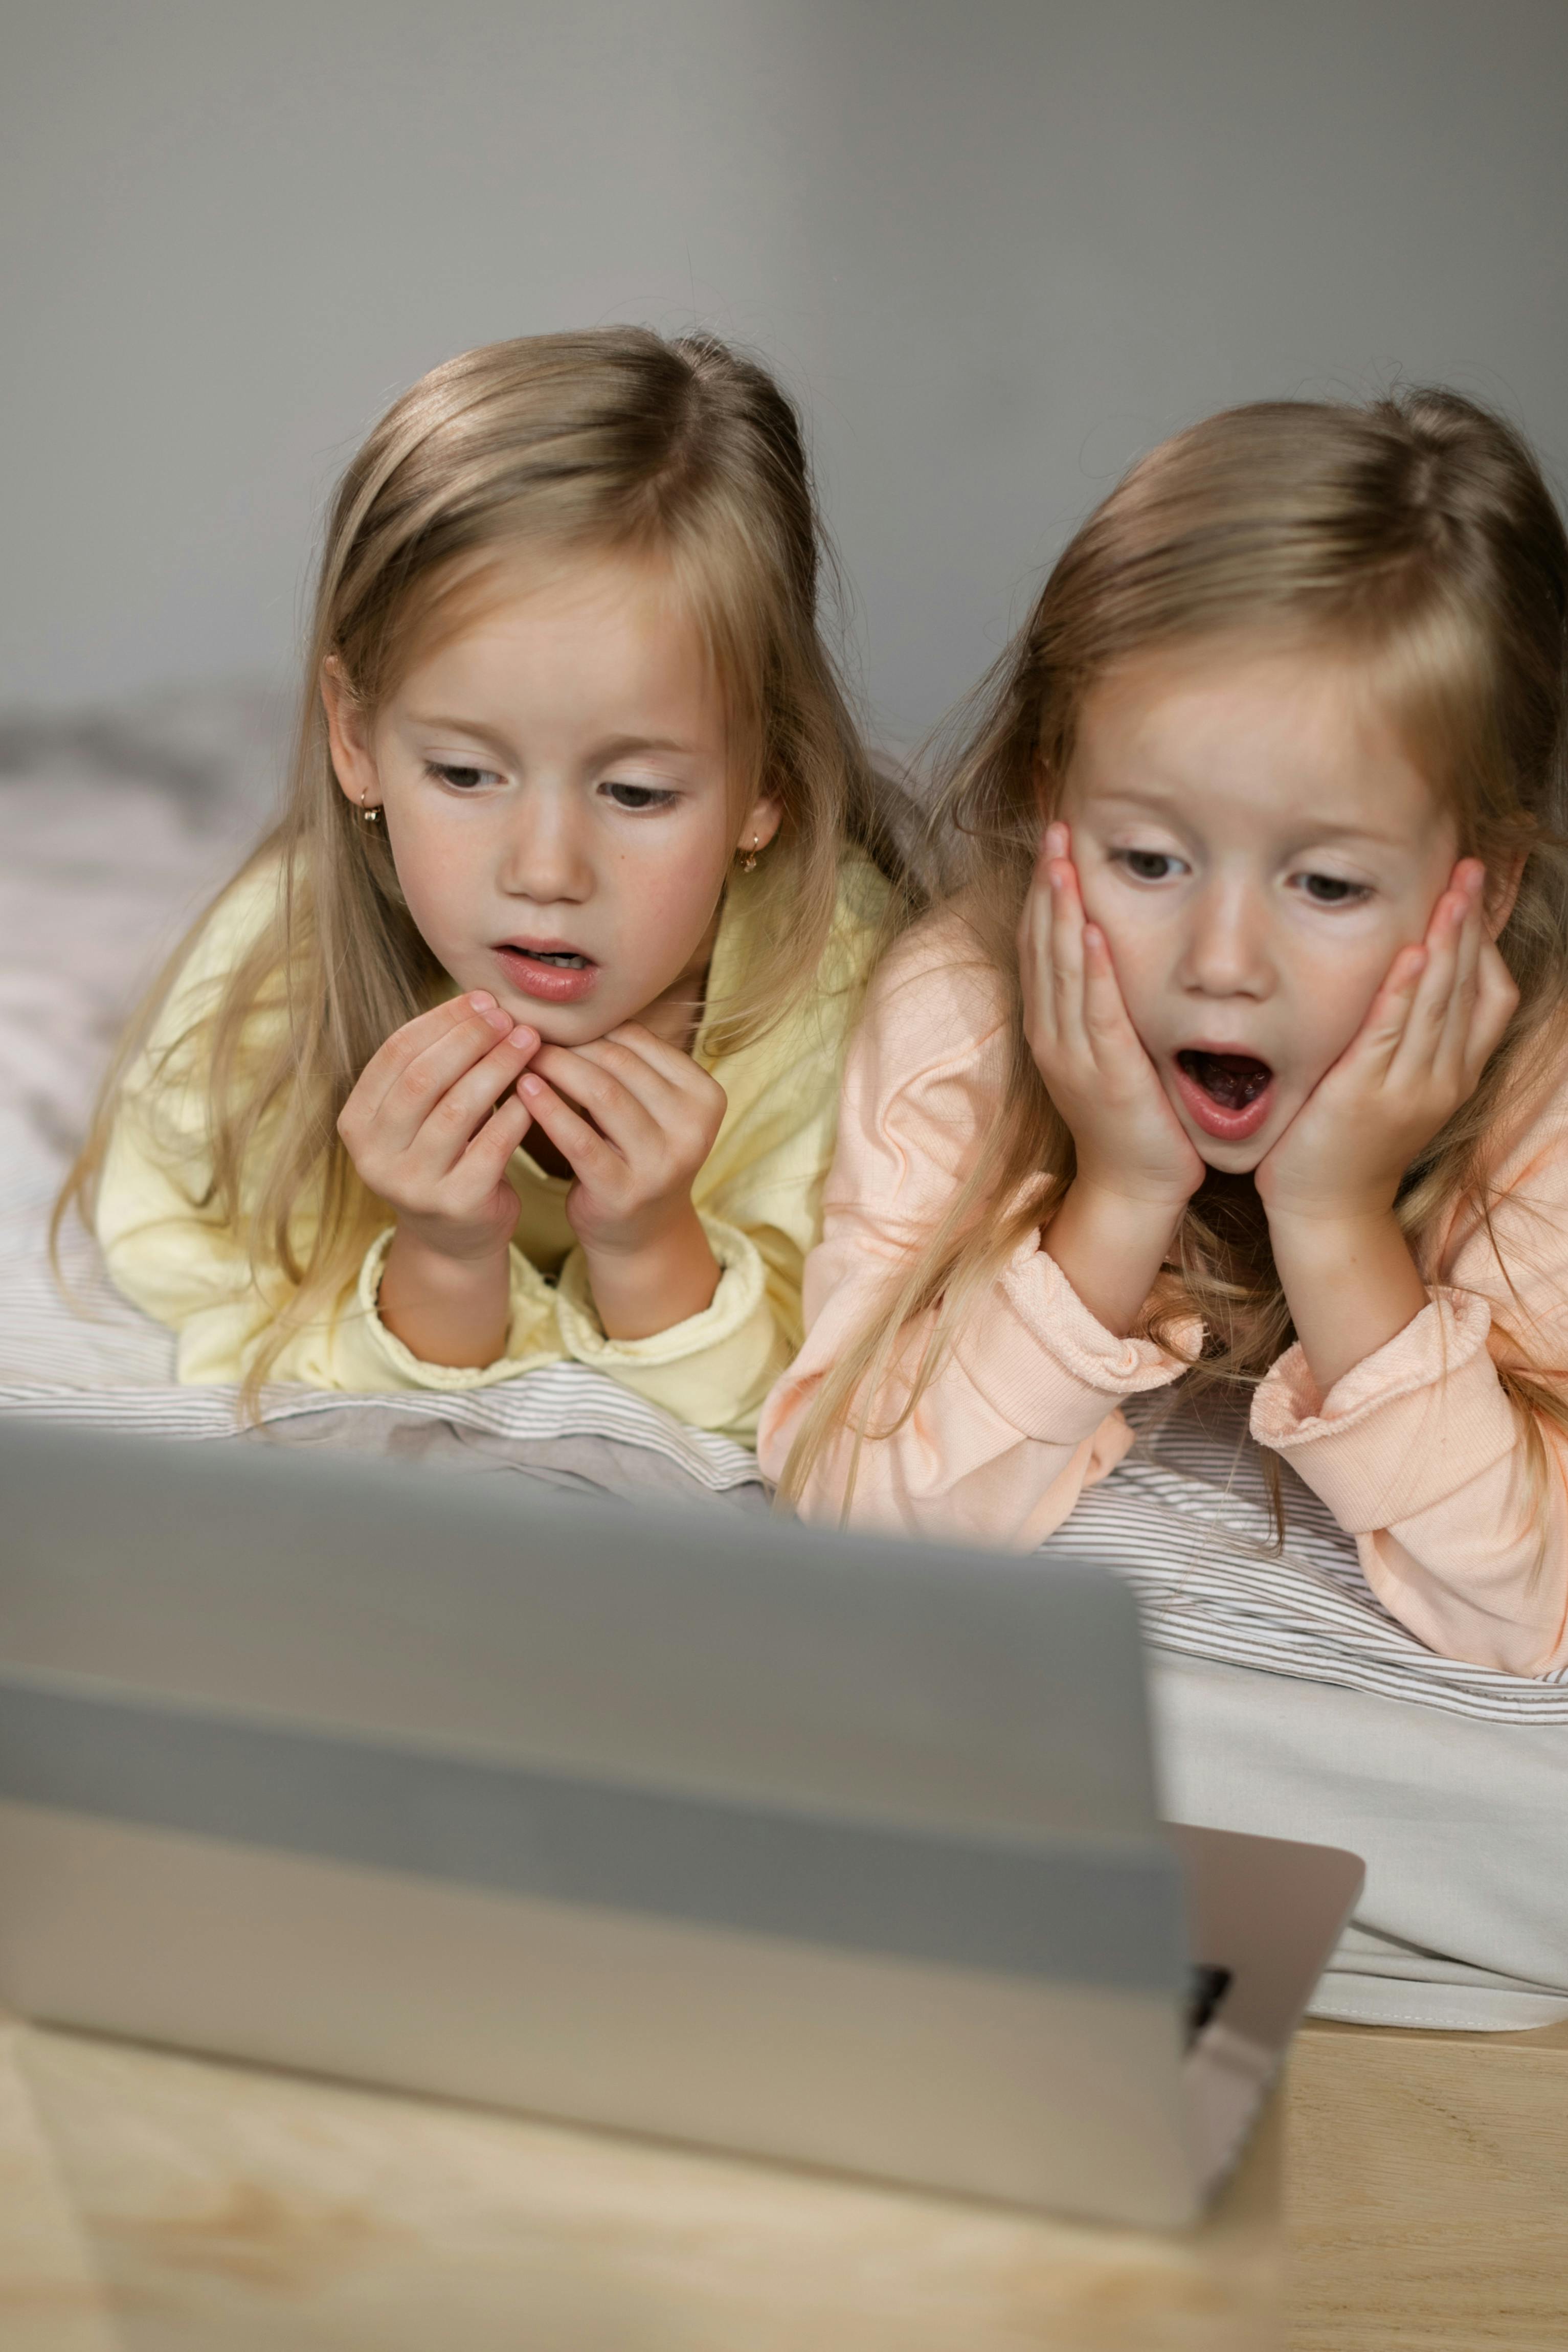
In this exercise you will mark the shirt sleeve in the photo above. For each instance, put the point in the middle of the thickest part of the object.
(1022, 1411)
(713, 1370)
(179, 1263)
(1456, 1494)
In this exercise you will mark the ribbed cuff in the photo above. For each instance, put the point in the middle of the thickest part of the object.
(1041, 1360)
(741, 1291)
(532, 1335)
(1402, 1430)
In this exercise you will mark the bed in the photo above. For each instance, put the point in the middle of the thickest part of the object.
(1287, 1701)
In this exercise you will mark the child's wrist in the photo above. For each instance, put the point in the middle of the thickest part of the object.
(1158, 1209)
(646, 1285)
(446, 1309)
(1324, 1225)
(1111, 1246)
(452, 1269)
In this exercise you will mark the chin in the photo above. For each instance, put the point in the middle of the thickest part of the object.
(1232, 1159)
(560, 1024)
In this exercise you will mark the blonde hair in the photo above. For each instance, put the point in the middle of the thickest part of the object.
(1414, 534)
(613, 441)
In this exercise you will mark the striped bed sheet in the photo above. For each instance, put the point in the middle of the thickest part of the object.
(1186, 1518)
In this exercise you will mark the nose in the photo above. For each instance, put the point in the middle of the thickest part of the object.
(1227, 949)
(546, 857)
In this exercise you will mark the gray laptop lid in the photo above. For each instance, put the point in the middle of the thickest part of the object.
(938, 1754)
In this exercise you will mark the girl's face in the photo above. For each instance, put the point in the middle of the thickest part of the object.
(556, 789)
(1256, 843)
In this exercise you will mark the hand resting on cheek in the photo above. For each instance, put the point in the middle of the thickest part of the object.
(1429, 1031)
(1136, 1167)
(1329, 1184)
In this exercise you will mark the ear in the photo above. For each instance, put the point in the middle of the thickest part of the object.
(760, 824)
(354, 762)
(1502, 892)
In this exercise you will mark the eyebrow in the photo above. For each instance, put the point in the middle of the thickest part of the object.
(615, 747)
(1157, 803)
(439, 722)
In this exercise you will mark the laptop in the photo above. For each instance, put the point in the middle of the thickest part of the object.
(820, 1848)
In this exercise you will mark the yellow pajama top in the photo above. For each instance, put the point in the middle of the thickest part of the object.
(758, 1195)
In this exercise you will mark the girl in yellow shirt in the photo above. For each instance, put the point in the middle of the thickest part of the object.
(519, 1039)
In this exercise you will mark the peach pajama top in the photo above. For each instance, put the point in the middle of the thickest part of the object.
(1419, 1451)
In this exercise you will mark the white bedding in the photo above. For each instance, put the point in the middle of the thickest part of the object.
(1287, 1700)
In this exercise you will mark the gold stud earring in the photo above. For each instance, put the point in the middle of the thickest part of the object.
(368, 815)
(748, 863)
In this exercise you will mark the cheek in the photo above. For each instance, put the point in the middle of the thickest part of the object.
(1142, 949)
(1329, 985)
(435, 868)
(1333, 995)
(664, 901)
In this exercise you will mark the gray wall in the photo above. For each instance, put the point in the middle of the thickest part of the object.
(997, 250)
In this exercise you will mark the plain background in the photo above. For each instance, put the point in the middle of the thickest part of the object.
(996, 249)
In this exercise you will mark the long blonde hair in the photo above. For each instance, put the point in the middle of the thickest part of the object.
(1415, 535)
(609, 441)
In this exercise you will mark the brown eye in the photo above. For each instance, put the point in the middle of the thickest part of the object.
(1149, 865)
(1331, 889)
(636, 797)
(462, 780)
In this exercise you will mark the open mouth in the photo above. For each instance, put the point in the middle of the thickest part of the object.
(1228, 1094)
(551, 975)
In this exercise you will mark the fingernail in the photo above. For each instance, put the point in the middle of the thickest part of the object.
(530, 1085)
(1055, 840)
(525, 1036)
(497, 1019)
(481, 999)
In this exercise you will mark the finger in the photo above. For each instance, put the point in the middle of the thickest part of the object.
(1067, 956)
(1496, 1001)
(613, 1108)
(589, 1155)
(485, 1160)
(1417, 1048)
(661, 1094)
(1388, 1015)
(668, 1084)
(417, 1097)
(422, 1059)
(448, 1128)
(1461, 1006)
(478, 1012)
(672, 1064)
(1105, 1018)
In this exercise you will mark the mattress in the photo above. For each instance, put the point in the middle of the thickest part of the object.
(1287, 1701)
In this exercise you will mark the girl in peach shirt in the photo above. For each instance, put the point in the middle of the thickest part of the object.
(1236, 1053)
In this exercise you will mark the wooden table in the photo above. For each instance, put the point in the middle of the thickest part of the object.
(155, 2203)
(151, 2202)
(1427, 2190)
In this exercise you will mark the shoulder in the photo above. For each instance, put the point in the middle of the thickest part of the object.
(218, 946)
(231, 926)
(938, 999)
(927, 1071)
(926, 1078)
(1524, 1185)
